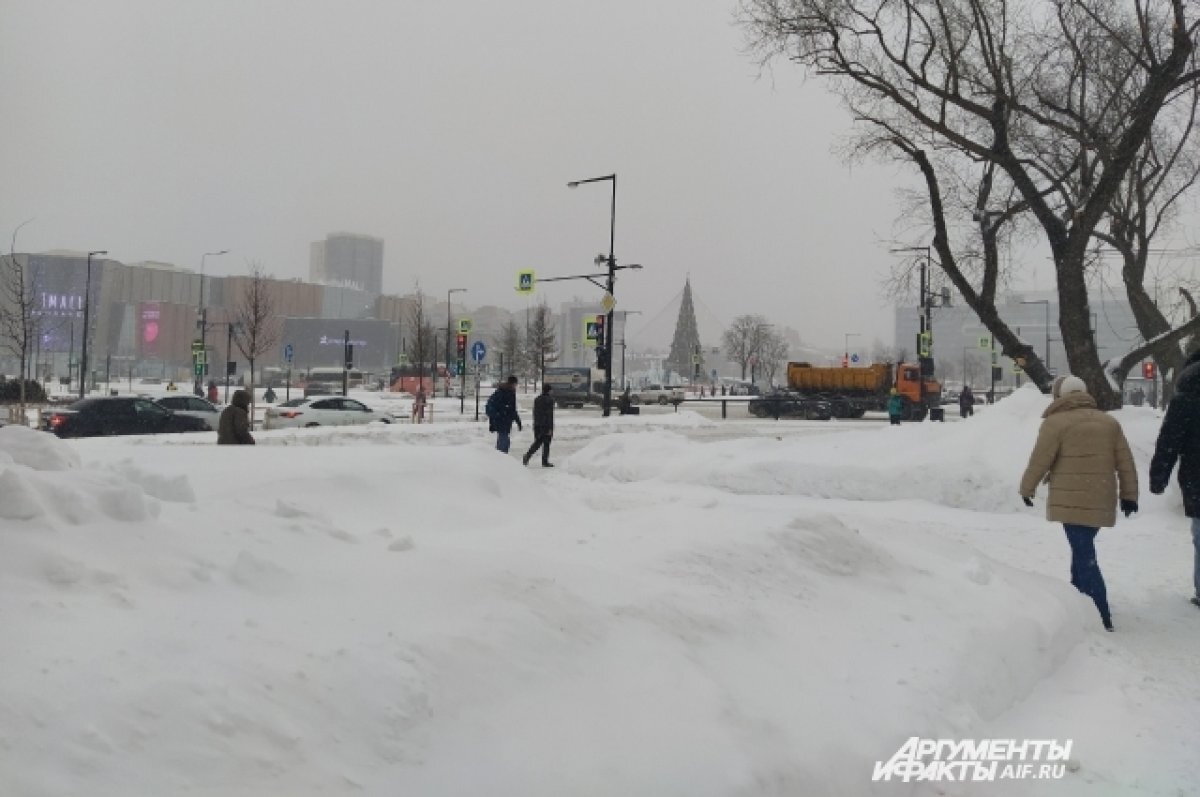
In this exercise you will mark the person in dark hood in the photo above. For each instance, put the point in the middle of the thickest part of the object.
(966, 402)
(543, 427)
(1179, 440)
(233, 427)
(501, 412)
(1084, 453)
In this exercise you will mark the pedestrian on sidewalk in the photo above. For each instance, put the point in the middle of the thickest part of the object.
(543, 427)
(895, 407)
(501, 409)
(233, 427)
(1179, 440)
(1087, 460)
(966, 402)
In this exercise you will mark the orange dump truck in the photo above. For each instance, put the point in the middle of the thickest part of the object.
(853, 391)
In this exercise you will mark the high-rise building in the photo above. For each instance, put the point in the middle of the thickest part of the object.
(348, 259)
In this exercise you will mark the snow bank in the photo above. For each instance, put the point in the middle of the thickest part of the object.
(41, 478)
(974, 464)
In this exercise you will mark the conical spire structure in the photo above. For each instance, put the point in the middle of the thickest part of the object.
(685, 346)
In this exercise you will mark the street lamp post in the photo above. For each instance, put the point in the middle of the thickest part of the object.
(612, 280)
(202, 320)
(625, 323)
(87, 304)
(847, 336)
(447, 381)
(1046, 304)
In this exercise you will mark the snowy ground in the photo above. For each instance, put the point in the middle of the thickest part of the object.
(682, 607)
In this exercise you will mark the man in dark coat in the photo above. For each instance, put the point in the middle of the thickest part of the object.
(966, 402)
(543, 427)
(1179, 439)
(233, 428)
(501, 411)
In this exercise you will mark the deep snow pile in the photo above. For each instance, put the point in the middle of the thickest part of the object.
(970, 465)
(435, 619)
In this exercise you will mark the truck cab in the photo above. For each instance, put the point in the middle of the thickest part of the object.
(921, 399)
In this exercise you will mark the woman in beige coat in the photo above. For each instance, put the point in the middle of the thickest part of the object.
(1085, 457)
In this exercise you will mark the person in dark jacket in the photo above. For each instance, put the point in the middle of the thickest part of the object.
(1179, 439)
(543, 427)
(501, 411)
(233, 427)
(966, 402)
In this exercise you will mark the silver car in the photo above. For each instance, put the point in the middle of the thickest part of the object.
(193, 407)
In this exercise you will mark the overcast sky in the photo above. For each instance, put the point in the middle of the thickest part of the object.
(160, 130)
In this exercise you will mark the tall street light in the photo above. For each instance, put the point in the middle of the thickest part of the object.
(847, 336)
(624, 323)
(87, 304)
(202, 320)
(1046, 303)
(452, 290)
(612, 280)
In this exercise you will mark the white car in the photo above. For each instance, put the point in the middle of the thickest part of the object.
(657, 394)
(322, 411)
(192, 406)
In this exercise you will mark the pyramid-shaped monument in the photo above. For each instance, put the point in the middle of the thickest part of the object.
(687, 356)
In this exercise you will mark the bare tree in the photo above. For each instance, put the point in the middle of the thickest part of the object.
(744, 338)
(773, 352)
(255, 325)
(542, 346)
(1054, 100)
(423, 344)
(510, 345)
(18, 324)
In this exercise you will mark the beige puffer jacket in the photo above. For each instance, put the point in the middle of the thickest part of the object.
(1086, 455)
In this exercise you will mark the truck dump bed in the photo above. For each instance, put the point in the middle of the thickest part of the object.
(805, 378)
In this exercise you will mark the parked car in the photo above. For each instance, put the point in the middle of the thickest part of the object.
(117, 415)
(193, 407)
(322, 411)
(656, 394)
(789, 405)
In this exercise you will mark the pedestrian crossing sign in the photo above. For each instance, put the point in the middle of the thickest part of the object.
(525, 280)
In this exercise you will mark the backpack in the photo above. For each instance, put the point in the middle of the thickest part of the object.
(489, 409)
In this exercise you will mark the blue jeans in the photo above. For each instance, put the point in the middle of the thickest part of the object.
(1196, 543)
(502, 441)
(1085, 570)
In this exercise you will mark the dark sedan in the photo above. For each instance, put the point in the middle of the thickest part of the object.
(117, 415)
(785, 405)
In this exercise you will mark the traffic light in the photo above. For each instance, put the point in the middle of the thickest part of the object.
(460, 341)
(600, 339)
(1148, 370)
(602, 358)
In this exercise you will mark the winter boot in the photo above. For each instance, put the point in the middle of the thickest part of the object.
(547, 464)
(525, 460)
(1108, 626)
(1196, 601)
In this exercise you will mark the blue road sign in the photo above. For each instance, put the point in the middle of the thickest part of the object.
(478, 351)
(288, 351)
(853, 358)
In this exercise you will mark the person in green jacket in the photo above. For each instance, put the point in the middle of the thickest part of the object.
(895, 407)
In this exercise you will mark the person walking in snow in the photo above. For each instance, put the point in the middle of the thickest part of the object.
(501, 411)
(543, 427)
(1179, 440)
(212, 391)
(966, 402)
(233, 427)
(1087, 458)
(895, 407)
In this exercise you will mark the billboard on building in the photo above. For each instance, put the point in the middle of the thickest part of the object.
(321, 342)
